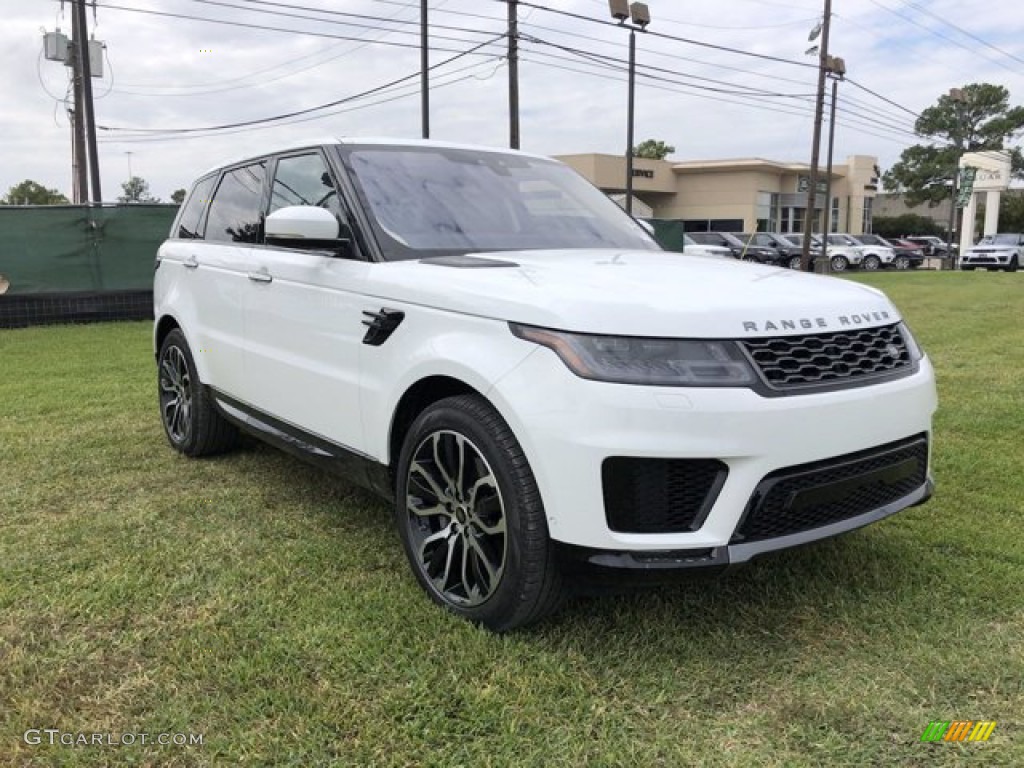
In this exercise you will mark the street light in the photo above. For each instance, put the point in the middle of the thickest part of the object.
(958, 97)
(835, 70)
(640, 15)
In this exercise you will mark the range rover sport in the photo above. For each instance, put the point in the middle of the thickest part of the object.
(544, 394)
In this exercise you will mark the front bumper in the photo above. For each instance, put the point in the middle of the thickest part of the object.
(619, 567)
(568, 427)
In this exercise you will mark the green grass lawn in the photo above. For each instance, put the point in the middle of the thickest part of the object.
(268, 607)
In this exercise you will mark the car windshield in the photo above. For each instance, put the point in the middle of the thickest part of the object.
(1004, 239)
(434, 201)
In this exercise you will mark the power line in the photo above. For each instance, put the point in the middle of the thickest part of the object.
(664, 54)
(963, 31)
(275, 118)
(619, 62)
(310, 33)
(936, 33)
(215, 85)
(411, 90)
(664, 36)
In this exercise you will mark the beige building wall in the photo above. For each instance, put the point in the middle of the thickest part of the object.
(731, 189)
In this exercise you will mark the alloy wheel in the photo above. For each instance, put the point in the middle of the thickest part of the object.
(176, 394)
(456, 518)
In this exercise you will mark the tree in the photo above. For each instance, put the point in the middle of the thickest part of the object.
(906, 224)
(178, 196)
(652, 149)
(31, 192)
(983, 121)
(1011, 212)
(136, 190)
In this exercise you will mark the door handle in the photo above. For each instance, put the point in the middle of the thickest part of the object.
(261, 277)
(190, 263)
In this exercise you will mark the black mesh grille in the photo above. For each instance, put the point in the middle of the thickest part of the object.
(790, 362)
(659, 495)
(24, 309)
(812, 495)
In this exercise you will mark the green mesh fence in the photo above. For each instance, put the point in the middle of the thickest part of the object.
(668, 233)
(71, 248)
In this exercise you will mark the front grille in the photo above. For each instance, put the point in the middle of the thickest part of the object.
(793, 362)
(809, 496)
(659, 495)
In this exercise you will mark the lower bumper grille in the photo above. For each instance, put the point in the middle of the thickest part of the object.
(659, 495)
(809, 496)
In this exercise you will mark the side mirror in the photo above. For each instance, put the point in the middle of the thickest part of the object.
(305, 226)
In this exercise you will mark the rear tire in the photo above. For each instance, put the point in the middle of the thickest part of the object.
(794, 262)
(871, 263)
(839, 263)
(191, 421)
(471, 518)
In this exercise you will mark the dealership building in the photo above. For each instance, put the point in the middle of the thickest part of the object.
(744, 195)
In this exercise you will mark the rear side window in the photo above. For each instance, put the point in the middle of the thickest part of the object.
(192, 214)
(304, 180)
(235, 213)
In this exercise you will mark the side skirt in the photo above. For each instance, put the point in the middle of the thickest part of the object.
(360, 469)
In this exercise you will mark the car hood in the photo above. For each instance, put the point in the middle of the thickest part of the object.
(635, 293)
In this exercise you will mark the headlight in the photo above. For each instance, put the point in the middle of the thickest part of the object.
(916, 353)
(635, 360)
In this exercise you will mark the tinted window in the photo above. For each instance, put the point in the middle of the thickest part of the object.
(235, 211)
(304, 180)
(192, 213)
(433, 201)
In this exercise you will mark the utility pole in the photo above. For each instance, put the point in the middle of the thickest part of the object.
(79, 167)
(87, 115)
(957, 96)
(812, 186)
(513, 74)
(424, 71)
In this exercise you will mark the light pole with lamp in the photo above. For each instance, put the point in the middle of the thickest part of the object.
(639, 14)
(835, 70)
(957, 97)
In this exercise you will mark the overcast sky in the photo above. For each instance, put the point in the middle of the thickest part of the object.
(166, 72)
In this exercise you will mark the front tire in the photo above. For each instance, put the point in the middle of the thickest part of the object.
(901, 263)
(839, 263)
(1013, 265)
(191, 421)
(471, 518)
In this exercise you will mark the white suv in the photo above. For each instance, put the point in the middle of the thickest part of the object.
(546, 396)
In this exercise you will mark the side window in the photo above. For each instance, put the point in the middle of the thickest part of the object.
(235, 210)
(304, 180)
(192, 213)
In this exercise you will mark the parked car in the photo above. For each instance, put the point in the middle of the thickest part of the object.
(739, 249)
(692, 248)
(994, 252)
(934, 247)
(889, 254)
(873, 257)
(840, 257)
(545, 395)
(914, 252)
(787, 253)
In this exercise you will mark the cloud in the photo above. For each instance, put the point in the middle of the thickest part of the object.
(172, 72)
